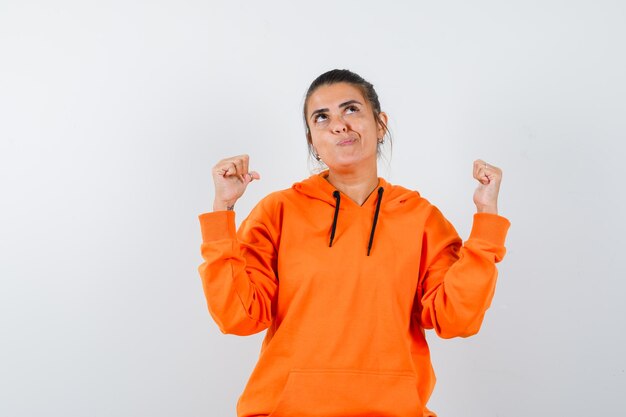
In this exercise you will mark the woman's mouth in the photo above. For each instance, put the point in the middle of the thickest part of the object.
(345, 142)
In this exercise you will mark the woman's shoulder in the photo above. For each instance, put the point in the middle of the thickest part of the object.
(272, 200)
(405, 195)
(273, 203)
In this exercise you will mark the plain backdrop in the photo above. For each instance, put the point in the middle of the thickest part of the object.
(112, 114)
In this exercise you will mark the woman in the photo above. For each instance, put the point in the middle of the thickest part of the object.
(345, 270)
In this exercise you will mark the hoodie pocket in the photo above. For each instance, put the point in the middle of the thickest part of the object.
(348, 393)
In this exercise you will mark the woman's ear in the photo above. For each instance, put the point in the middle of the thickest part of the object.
(382, 129)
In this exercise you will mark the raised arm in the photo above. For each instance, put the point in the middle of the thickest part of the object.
(457, 281)
(238, 272)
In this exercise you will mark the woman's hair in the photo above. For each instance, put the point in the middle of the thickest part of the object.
(344, 76)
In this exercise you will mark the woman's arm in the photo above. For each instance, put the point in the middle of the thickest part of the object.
(238, 272)
(457, 282)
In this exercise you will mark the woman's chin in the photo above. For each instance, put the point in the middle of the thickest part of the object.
(347, 163)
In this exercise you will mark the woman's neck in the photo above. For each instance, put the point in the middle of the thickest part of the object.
(356, 185)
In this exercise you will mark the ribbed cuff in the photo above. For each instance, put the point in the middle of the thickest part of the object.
(218, 225)
(490, 227)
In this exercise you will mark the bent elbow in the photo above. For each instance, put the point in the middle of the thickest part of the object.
(460, 328)
(245, 326)
(469, 331)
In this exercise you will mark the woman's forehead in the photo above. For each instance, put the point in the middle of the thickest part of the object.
(333, 95)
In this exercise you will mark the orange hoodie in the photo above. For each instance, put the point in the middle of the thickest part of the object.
(345, 329)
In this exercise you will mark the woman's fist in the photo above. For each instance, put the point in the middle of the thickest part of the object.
(486, 195)
(231, 177)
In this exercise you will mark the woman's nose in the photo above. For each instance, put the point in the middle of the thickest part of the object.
(339, 125)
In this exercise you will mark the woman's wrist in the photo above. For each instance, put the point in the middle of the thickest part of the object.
(223, 205)
(487, 209)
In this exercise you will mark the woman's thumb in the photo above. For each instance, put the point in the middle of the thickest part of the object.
(252, 175)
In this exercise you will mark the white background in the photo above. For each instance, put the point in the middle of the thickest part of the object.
(112, 114)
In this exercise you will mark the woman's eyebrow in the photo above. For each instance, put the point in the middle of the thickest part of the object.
(344, 104)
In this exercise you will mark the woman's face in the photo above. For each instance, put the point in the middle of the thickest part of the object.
(344, 132)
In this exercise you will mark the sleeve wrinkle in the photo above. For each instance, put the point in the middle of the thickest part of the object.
(242, 266)
(458, 282)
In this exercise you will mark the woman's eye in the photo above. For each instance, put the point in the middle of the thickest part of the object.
(353, 109)
(317, 118)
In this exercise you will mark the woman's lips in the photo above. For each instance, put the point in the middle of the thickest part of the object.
(345, 142)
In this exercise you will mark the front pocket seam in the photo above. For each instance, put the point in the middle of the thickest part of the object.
(284, 405)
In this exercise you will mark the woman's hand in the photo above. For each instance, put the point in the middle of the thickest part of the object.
(486, 195)
(231, 177)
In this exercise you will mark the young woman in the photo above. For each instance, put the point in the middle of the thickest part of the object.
(345, 270)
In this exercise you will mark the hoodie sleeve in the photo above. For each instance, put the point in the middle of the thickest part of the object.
(458, 280)
(238, 272)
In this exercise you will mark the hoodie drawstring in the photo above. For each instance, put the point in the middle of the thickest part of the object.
(336, 194)
(332, 232)
(380, 197)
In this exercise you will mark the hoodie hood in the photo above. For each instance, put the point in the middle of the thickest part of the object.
(318, 187)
